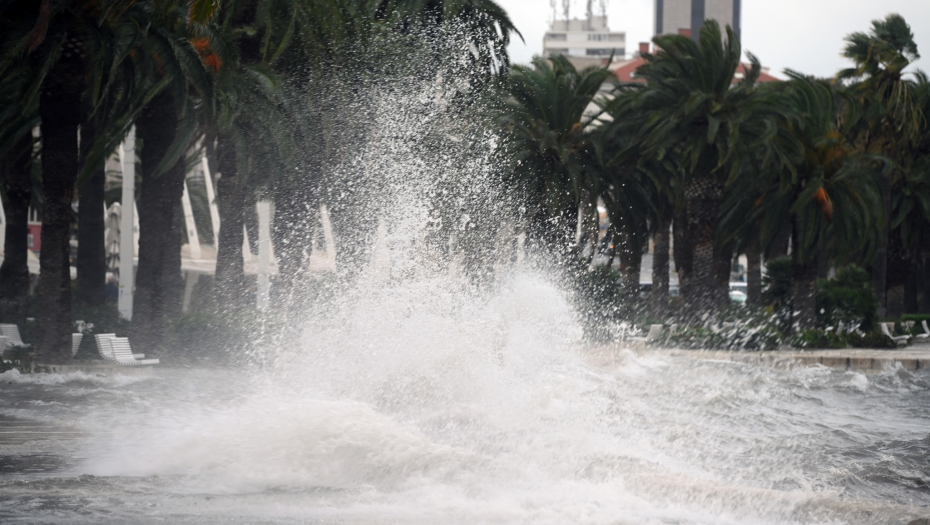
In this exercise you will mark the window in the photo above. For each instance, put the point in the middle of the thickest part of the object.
(604, 52)
(597, 37)
(29, 240)
(555, 36)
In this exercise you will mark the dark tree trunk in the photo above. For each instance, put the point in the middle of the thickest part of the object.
(172, 280)
(682, 251)
(614, 240)
(703, 195)
(14, 273)
(229, 280)
(880, 264)
(804, 290)
(753, 275)
(631, 262)
(659, 294)
(779, 246)
(723, 265)
(296, 213)
(60, 110)
(913, 283)
(92, 256)
(898, 266)
(158, 196)
(923, 298)
(823, 265)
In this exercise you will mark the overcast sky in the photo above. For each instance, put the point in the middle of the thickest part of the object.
(806, 35)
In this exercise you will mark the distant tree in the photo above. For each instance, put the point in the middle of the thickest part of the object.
(887, 119)
(548, 142)
(693, 111)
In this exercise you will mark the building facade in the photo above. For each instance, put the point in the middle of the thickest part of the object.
(675, 17)
(584, 40)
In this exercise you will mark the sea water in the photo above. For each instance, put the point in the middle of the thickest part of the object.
(456, 409)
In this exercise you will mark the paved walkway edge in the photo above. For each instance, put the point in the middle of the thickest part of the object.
(860, 360)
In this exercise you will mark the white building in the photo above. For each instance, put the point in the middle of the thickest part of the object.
(584, 42)
(686, 17)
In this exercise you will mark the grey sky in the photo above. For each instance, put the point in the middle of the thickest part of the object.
(806, 35)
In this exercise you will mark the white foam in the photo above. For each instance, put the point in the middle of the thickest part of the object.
(114, 380)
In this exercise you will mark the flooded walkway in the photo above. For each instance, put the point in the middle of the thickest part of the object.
(860, 360)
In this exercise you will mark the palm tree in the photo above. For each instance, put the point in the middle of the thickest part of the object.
(910, 214)
(887, 116)
(693, 111)
(16, 175)
(549, 144)
(640, 193)
(828, 195)
(180, 86)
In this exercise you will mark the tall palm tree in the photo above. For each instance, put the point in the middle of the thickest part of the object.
(16, 176)
(180, 87)
(640, 192)
(828, 195)
(549, 145)
(692, 110)
(887, 115)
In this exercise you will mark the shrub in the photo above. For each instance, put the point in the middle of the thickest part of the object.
(817, 339)
(598, 297)
(849, 298)
(869, 340)
(776, 291)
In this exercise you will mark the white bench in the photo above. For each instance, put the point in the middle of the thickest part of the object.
(75, 343)
(924, 337)
(5, 345)
(11, 331)
(655, 330)
(103, 346)
(900, 340)
(122, 353)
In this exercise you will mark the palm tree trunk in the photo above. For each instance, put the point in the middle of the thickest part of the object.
(614, 240)
(898, 266)
(703, 195)
(229, 280)
(779, 246)
(156, 129)
(880, 264)
(913, 283)
(659, 295)
(60, 110)
(172, 281)
(292, 232)
(753, 275)
(723, 265)
(14, 272)
(682, 251)
(631, 262)
(804, 290)
(92, 257)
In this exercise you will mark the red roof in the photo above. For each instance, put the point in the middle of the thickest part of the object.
(626, 71)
